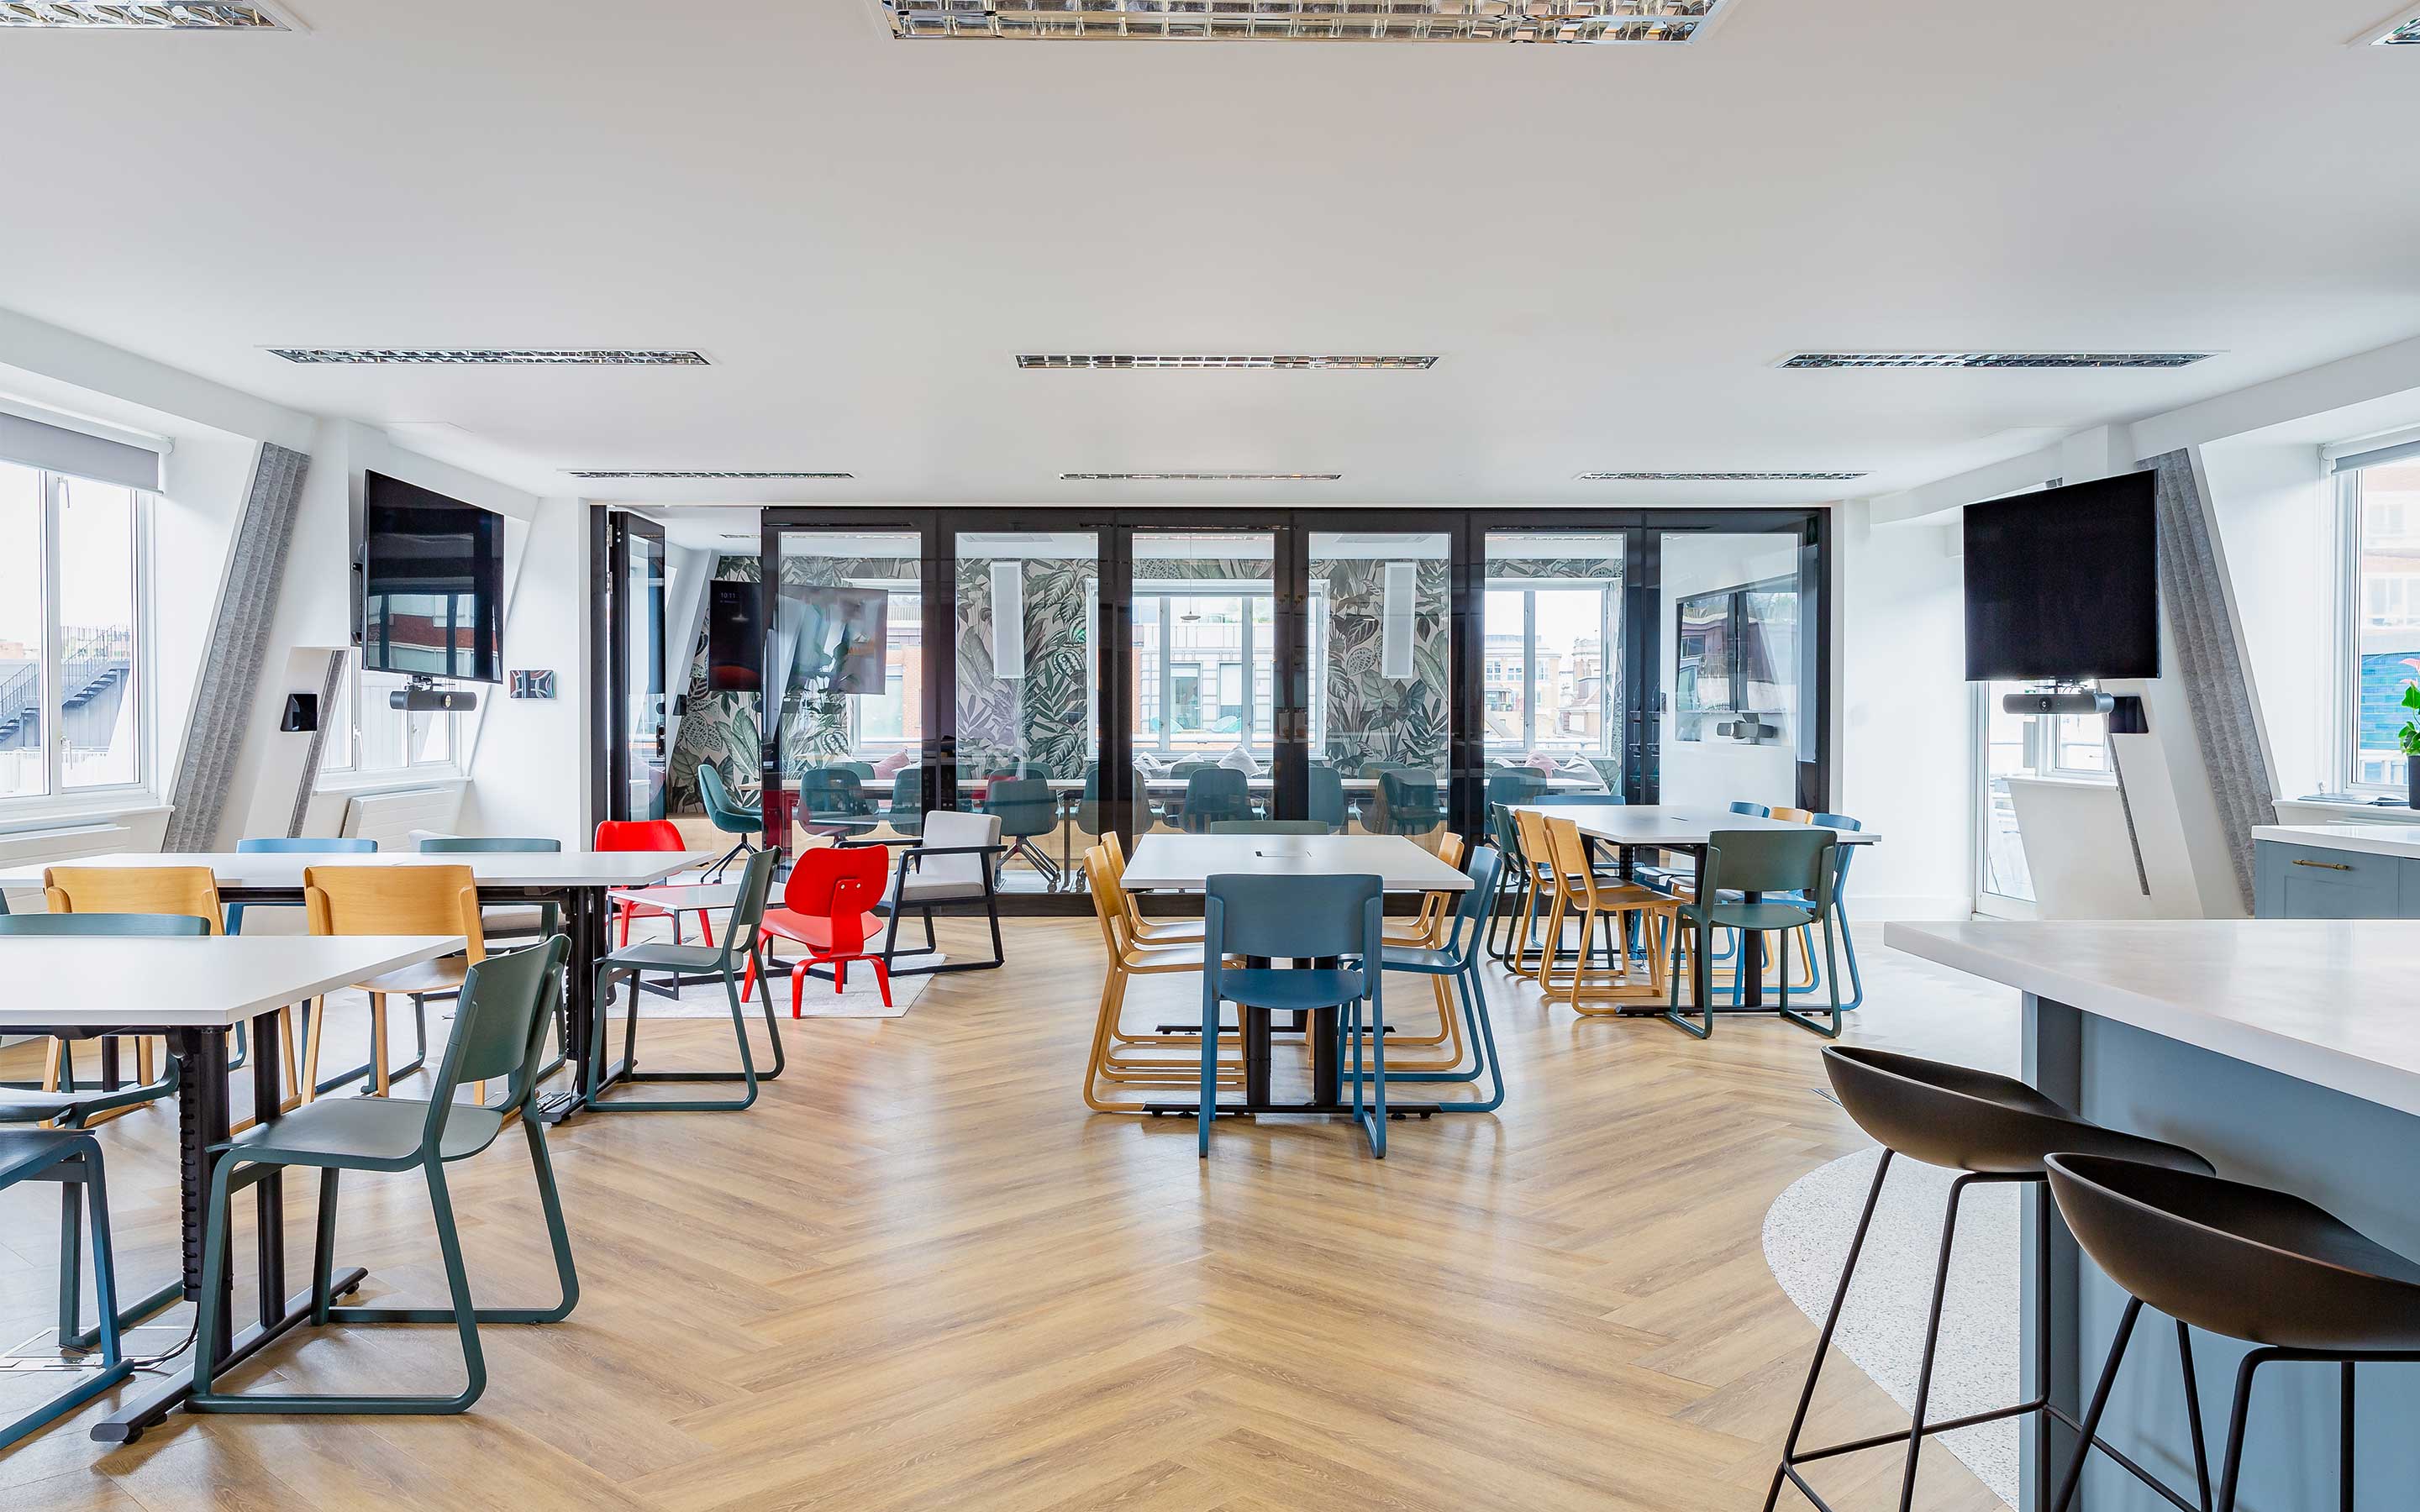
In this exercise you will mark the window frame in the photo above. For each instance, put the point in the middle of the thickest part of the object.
(1245, 591)
(57, 797)
(1607, 598)
(2350, 608)
(352, 774)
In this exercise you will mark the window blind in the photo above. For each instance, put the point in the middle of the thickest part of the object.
(57, 449)
(2375, 457)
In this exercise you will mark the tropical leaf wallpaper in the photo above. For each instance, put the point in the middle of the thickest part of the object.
(1042, 718)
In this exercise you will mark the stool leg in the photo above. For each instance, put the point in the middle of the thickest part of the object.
(2193, 1414)
(1932, 1342)
(1831, 1321)
(2100, 1401)
(2236, 1422)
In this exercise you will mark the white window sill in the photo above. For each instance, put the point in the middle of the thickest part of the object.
(21, 816)
(392, 782)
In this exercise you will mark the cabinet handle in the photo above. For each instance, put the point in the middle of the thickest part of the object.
(2325, 866)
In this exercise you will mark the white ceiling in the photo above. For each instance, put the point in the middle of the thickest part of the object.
(1608, 246)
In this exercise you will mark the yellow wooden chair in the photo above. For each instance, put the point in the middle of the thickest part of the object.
(1545, 894)
(191, 891)
(1595, 991)
(393, 900)
(1110, 1062)
(1143, 930)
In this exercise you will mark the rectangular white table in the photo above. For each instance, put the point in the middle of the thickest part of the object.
(1650, 826)
(2286, 1052)
(195, 992)
(577, 880)
(1186, 864)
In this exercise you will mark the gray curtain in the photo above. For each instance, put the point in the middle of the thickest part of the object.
(237, 638)
(2210, 662)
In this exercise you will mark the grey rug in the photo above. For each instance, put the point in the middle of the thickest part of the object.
(1806, 1236)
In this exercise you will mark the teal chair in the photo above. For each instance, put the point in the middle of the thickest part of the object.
(738, 949)
(1327, 798)
(507, 922)
(73, 1108)
(831, 799)
(71, 1159)
(1213, 793)
(1268, 826)
(905, 814)
(1252, 913)
(1840, 907)
(1459, 959)
(1775, 862)
(725, 814)
(1407, 802)
(501, 1029)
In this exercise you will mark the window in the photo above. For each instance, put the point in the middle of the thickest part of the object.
(373, 735)
(2380, 631)
(70, 670)
(1203, 672)
(1548, 686)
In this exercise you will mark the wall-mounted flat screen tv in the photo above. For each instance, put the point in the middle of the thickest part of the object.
(734, 638)
(2064, 585)
(432, 584)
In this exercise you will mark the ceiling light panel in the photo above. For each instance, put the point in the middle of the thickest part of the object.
(2002, 360)
(494, 356)
(1720, 477)
(1664, 21)
(92, 15)
(1123, 360)
(669, 474)
(1199, 477)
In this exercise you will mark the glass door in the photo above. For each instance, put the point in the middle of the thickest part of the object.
(1380, 651)
(637, 744)
(1733, 713)
(1555, 701)
(849, 724)
(1206, 719)
(1027, 700)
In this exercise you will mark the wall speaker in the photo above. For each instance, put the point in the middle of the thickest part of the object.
(1395, 621)
(432, 701)
(1008, 619)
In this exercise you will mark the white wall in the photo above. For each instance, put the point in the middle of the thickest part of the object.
(1906, 727)
(529, 767)
(2277, 510)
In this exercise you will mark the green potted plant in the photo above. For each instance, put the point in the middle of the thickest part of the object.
(2409, 738)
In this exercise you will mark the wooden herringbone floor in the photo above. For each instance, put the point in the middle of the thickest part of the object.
(920, 1275)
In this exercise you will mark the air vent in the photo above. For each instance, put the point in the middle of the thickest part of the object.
(662, 475)
(1164, 359)
(2059, 360)
(1199, 477)
(90, 15)
(1720, 477)
(1664, 21)
(495, 355)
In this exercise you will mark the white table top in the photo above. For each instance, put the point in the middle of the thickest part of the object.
(216, 981)
(2327, 1002)
(493, 869)
(2388, 839)
(1186, 862)
(686, 896)
(1678, 825)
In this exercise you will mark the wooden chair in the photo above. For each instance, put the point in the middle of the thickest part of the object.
(1143, 930)
(189, 891)
(1594, 898)
(1543, 895)
(1426, 930)
(1128, 958)
(392, 900)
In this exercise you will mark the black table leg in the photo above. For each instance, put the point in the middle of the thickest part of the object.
(1326, 1073)
(583, 925)
(1751, 960)
(268, 1193)
(1256, 1057)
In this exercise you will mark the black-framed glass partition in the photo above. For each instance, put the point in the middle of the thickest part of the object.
(1083, 671)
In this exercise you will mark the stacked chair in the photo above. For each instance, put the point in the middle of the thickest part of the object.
(1139, 947)
(1640, 923)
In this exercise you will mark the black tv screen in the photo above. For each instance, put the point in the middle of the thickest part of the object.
(734, 638)
(432, 584)
(2063, 585)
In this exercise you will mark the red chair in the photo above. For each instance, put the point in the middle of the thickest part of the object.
(827, 907)
(646, 835)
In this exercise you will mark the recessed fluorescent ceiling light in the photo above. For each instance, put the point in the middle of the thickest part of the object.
(1310, 21)
(1165, 360)
(494, 356)
(662, 474)
(1200, 477)
(90, 15)
(1993, 358)
(1719, 477)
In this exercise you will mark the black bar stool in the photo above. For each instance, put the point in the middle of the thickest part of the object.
(2252, 1264)
(1995, 1129)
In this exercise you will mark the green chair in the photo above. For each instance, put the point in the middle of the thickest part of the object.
(72, 1159)
(1279, 917)
(1268, 826)
(1458, 959)
(507, 922)
(726, 815)
(905, 814)
(739, 947)
(501, 1029)
(1326, 803)
(1770, 861)
(73, 1108)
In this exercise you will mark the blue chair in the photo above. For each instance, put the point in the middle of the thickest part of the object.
(1793, 865)
(75, 1109)
(290, 845)
(1287, 917)
(1407, 802)
(72, 1159)
(1754, 810)
(1327, 796)
(1840, 907)
(725, 814)
(906, 812)
(1514, 785)
(1586, 800)
(1026, 807)
(1458, 960)
(1213, 793)
(833, 801)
